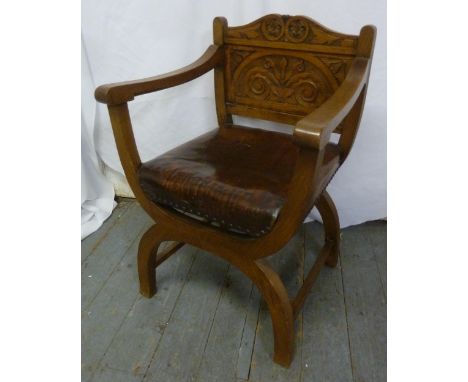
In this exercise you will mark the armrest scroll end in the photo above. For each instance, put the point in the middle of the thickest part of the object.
(110, 95)
(310, 136)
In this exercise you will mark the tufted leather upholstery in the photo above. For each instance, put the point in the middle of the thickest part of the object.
(235, 178)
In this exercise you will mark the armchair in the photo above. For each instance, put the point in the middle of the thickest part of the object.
(242, 193)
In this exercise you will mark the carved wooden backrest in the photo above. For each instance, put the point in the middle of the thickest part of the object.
(281, 68)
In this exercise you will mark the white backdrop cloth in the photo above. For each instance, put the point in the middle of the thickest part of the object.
(134, 39)
(97, 193)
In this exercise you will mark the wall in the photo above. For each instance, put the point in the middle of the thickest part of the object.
(128, 40)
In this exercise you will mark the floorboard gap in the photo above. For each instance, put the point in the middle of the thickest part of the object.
(347, 322)
(114, 269)
(212, 322)
(170, 316)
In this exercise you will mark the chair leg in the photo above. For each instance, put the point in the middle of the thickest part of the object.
(331, 224)
(147, 251)
(279, 305)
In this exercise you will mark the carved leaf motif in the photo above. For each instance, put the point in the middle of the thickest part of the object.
(282, 79)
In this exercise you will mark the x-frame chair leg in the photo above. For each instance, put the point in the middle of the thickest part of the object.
(274, 293)
(266, 280)
(282, 310)
(331, 224)
(147, 252)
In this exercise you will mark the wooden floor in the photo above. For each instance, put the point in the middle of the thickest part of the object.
(207, 321)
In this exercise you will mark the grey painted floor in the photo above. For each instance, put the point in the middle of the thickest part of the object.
(207, 322)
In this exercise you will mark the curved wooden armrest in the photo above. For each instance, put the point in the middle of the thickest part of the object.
(315, 129)
(119, 93)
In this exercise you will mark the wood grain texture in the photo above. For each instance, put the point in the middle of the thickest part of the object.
(325, 354)
(123, 336)
(118, 93)
(295, 31)
(97, 237)
(222, 350)
(310, 279)
(170, 249)
(315, 129)
(179, 354)
(248, 335)
(115, 375)
(284, 64)
(219, 31)
(102, 318)
(289, 264)
(292, 82)
(134, 344)
(116, 244)
(377, 236)
(365, 306)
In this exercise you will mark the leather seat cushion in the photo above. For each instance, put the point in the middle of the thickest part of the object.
(235, 178)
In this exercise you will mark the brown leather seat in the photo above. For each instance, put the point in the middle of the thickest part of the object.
(235, 178)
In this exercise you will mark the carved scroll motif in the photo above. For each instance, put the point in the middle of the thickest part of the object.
(237, 56)
(295, 29)
(282, 79)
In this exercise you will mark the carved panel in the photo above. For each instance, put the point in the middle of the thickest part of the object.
(283, 67)
(284, 81)
(338, 66)
(292, 29)
(237, 56)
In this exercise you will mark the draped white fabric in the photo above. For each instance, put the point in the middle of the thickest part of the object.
(97, 193)
(130, 40)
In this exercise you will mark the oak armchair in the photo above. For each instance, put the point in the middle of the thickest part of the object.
(241, 193)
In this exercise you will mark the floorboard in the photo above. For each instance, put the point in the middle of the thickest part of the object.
(289, 264)
(221, 355)
(377, 236)
(106, 374)
(183, 343)
(365, 306)
(248, 335)
(100, 264)
(325, 354)
(133, 346)
(105, 314)
(89, 244)
(208, 322)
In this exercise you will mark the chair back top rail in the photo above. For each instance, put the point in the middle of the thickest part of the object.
(281, 68)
